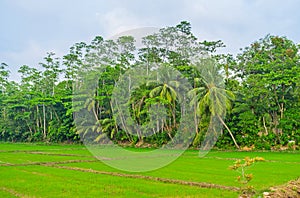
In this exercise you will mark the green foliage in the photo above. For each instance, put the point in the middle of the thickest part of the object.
(244, 178)
(255, 95)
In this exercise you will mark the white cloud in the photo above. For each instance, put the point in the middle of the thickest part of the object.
(240, 22)
(30, 55)
(118, 20)
(34, 27)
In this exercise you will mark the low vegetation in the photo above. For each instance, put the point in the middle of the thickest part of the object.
(30, 170)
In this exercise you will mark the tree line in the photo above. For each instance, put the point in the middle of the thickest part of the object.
(254, 95)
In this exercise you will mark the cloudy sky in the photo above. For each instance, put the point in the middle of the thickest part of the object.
(30, 28)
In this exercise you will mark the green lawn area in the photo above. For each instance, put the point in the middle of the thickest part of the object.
(32, 170)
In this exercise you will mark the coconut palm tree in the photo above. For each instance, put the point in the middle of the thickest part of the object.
(167, 89)
(212, 96)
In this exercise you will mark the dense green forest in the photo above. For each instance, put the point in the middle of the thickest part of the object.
(255, 94)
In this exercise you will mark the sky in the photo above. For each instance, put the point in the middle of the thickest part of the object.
(31, 28)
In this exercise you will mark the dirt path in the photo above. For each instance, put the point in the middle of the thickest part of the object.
(24, 151)
(48, 163)
(234, 159)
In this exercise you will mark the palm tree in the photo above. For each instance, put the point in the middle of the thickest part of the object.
(196, 94)
(212, 96)
(167, 90)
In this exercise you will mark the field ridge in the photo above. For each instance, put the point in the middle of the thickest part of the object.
(164, 180)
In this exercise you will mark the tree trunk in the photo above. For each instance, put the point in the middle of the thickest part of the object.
(174, 117)
(124, 126)
(30, 130)
(264, 123)
(44, 117)
(37, 118)
(282, 102)
(196, 119)
(222, 121)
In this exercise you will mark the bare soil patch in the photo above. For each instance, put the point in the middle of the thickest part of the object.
(290, 190)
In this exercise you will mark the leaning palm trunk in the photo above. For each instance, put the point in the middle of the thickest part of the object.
(225, 125)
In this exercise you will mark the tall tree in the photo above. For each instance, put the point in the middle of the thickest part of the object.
(216, 98)
(270, 70)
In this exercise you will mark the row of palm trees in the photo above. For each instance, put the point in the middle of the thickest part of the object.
(211, 94)
(207, 96)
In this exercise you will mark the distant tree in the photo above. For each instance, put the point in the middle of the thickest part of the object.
(269, 70)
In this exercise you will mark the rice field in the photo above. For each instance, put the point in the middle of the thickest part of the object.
(38, 170)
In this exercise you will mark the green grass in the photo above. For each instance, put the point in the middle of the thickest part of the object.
(53, 182)
(21, 158)
(44, 181)
(215, 170)
(28, 146)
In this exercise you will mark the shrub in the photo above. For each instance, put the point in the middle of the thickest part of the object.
(244, 178)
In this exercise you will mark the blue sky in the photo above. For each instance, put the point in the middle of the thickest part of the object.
(30, 28)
